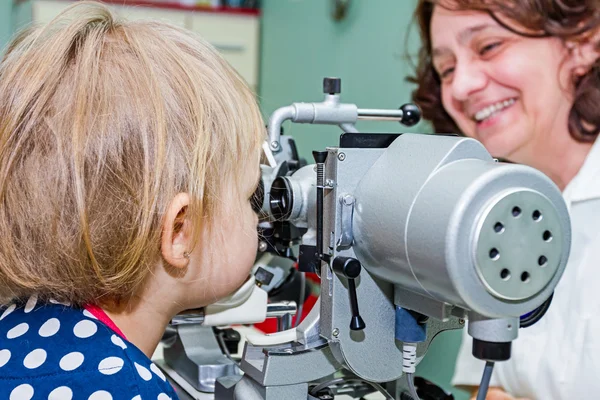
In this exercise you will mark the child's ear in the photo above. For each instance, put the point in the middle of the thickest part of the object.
(584, 53)
(176, 240)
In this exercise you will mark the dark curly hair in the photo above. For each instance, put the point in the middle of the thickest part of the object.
(565, 19)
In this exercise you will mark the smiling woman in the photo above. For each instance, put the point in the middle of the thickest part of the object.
(523, 78)
(514, 77)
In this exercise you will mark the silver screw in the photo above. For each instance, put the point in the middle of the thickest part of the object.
(262, 247)
(274, 145)
(329, 182)
(461, 321)
(348, 200)
(341, 156)
(335, 332)
(288, 351)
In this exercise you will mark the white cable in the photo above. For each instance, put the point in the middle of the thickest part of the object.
(409, 362)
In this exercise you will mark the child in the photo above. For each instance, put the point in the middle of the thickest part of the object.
(129, 152)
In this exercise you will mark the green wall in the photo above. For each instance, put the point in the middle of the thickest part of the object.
(6, 27)
(301, 44)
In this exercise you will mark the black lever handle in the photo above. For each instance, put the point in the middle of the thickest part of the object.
(350, 268)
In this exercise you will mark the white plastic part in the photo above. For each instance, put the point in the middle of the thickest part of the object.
(271, 339)
(247, 306)
(237, 297)
(409, 358)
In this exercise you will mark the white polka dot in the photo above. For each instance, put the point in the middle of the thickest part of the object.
(138, 397)
(144, 373)
(17, 331)
(85, 329)
(110, 365)
(71, 361)
(61, 393)
(22, 392)
(118, 341)
(157, 371)
(100, 395)
(49, 328)
(34, 359)
(4, 357)
(163, 396)
(10, 309)
(89, 314)
(31, 303)
(62, 303)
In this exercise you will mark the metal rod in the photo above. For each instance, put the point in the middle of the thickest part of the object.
(384, 115)
(281, 308)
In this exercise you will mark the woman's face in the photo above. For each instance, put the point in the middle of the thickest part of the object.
(510, 92)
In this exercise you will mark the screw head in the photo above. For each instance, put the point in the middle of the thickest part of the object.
(341, 156)
(274, 145)
(262, 247)
(348, 200)
(336, 332)
(461, 321)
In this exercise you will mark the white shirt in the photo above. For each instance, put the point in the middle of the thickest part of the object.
(559, 356)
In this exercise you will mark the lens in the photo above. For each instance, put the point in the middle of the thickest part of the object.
(281, 200)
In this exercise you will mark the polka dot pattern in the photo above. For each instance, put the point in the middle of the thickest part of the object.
(85, 329)
(71, 361)
(34, 359)
(22, 392)
(118, 341)
(30, 304)
(158, 372)
(100, 395)
(57, 352)
(61, 393)
(18, 331)
(50, 328)
(8, 311)
(110, 365)
(143, 372)
(4, 357)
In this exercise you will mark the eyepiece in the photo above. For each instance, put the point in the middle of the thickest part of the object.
(281, 199)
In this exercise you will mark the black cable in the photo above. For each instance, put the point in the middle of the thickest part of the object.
(485, 380)
(337, 381)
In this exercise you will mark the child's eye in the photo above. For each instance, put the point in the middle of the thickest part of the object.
(258, 197)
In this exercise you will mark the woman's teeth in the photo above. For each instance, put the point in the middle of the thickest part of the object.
(493, 109)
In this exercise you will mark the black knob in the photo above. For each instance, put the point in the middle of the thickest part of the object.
(411, 114)
(332, 85)
(319, 156)
(350, 268)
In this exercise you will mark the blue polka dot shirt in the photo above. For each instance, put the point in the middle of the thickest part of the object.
(57, 352)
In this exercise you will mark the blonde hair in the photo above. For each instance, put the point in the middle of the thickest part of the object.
(102, 123)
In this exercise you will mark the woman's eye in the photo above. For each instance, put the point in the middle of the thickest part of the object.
(445, 74)
(488, 47)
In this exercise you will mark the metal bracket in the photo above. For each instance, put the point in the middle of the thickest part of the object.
(346, 238)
